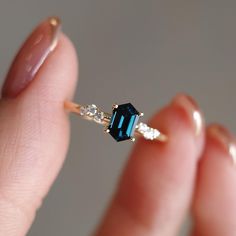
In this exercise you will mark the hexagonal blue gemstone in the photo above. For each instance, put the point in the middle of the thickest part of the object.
(123, 122)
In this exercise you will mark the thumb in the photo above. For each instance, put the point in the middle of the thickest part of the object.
(34, 128)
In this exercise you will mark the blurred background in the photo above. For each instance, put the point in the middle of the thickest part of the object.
(130, 50)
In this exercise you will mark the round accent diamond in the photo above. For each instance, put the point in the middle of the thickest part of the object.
(142, 127)
(148, 132)
(83, 110)
(99, 116)
(91, 110)
(156, 133)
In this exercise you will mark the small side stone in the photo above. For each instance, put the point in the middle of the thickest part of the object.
(148, 132)
(142, 127)
(91, 110)
(83, 110)
(99, 116)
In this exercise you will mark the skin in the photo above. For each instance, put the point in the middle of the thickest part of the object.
(161, 183)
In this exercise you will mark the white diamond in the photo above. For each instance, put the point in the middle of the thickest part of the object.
(142, 127)
(91, 110)
(99, 116)
(83, 110)
(149, 134)
(156, 133)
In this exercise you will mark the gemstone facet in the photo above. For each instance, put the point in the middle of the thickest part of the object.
(123, 122)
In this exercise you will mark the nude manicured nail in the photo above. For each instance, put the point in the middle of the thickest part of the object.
(225, 139)
(31, 57)
(193, 111)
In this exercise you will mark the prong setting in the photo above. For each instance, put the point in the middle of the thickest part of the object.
(132, 139)
(107, 130)
(114, 106)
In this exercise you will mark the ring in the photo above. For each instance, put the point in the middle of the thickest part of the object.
(122, 124)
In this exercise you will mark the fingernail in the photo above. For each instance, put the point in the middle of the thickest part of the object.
(225, 138)
(192, 110)
(31, 57)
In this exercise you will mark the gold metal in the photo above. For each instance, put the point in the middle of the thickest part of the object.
(72, 107)
(107, 130)
(105, 121)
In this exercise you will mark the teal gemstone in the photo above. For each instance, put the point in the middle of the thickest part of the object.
(123, 122)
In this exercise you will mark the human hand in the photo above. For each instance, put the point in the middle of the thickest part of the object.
(194, 170)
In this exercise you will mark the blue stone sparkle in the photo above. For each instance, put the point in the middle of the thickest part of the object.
(123, 122)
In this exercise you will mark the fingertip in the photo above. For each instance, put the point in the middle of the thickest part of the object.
(185, 116)
(193, 112)
(46, 48)
(57, 79)
(214, 207)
